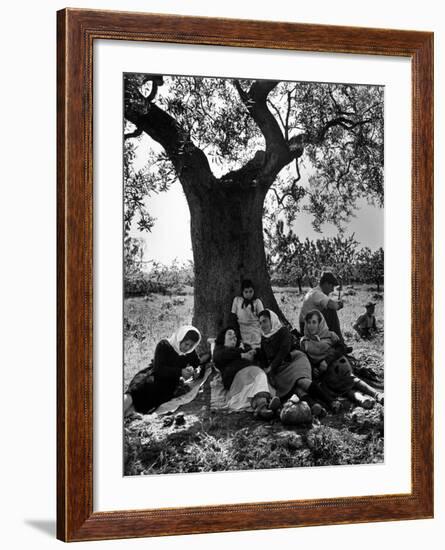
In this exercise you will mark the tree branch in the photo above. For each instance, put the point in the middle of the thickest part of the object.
(163, 128)
(135, 133)
(339, 121)
(277, 154)
(292, 192)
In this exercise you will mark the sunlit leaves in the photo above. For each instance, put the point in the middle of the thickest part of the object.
(155, 176)
(296, 260)
(340, 128)
(211, 113)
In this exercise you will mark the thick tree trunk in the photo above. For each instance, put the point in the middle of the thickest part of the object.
(228, 246)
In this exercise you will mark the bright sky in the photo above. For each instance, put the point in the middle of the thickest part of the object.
(170, 236)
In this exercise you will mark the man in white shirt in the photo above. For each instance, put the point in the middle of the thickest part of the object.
(318, 298)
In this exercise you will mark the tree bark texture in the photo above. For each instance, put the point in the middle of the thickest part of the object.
(228, 246)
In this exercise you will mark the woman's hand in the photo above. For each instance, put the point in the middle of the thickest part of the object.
(187, 372)
(198, 373)
(323, 367)
(249, 355)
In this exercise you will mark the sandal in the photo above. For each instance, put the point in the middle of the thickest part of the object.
(274, 403)
(318, 410)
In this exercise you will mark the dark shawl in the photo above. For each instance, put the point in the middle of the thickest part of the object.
(276, 349)
(228, 360)
(157, 383)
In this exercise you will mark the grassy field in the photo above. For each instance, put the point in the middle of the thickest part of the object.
(199, 439)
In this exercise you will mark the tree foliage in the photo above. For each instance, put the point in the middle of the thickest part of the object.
(296, 261)
(316, 147)
(369, 266)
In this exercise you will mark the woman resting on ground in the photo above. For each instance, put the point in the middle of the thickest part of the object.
(326, 354)
(339, 380)
(321, 345)
(289, 370)
(245, 382)
(174, 357)
(245, 311)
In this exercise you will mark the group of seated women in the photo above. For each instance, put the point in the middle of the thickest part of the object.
(260, 361)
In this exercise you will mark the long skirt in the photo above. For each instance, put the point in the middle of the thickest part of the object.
(247, 383)
(288, 373)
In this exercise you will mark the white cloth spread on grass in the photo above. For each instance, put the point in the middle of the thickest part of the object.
(173, 404)
(246, 384)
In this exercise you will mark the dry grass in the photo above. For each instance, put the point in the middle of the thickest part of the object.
(218, 441)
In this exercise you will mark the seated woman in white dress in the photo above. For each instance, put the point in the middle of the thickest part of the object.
(245, 315)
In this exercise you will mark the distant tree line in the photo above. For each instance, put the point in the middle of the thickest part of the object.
(297, 262)
(291, 262)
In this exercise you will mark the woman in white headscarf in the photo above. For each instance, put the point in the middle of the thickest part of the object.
(289, 369)
(174, 357)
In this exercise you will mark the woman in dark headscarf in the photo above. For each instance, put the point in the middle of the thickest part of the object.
(245, 382)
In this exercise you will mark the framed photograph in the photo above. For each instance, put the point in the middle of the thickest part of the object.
(245, 288)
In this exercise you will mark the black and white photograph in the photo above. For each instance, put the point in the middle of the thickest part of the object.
(253, 274)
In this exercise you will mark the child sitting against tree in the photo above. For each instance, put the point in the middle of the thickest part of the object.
(244, 316)
(366, 326)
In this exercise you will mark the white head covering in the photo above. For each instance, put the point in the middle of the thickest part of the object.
(276, 324)
(177, 337)
(323, 330)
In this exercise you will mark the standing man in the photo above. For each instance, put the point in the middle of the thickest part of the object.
(318, 298)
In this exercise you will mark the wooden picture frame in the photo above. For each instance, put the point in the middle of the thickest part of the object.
(77, 31)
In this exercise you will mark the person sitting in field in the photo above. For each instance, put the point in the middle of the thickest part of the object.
(174, 357)
(245, 382)
(320, 344)
(318, 298)
(244, 315)
(366, 326)
(339, 381)
(289, 370)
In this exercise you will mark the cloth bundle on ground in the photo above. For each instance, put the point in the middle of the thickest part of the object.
(339, 378)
